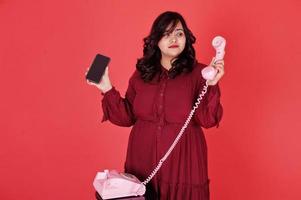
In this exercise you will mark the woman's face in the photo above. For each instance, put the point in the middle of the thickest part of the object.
(172, 44)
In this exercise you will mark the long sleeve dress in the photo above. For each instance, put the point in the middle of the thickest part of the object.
(157, 111)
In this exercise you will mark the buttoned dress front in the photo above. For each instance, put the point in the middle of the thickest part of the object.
(157, 111)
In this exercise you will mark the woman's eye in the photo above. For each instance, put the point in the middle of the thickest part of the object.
(180, 34)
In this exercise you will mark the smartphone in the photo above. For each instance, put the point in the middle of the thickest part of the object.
(97, 68)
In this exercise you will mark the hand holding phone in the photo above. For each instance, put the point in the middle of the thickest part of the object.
(98, 73)
(209, 72)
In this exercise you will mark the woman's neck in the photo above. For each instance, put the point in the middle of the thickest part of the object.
(166, 63)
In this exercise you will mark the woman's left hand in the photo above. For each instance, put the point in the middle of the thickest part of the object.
(219, 66)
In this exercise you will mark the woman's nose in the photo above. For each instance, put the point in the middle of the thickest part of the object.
(173, 39)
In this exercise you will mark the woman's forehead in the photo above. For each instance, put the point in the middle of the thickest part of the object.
(178, 26)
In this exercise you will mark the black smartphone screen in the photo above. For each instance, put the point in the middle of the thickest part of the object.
(97, 68)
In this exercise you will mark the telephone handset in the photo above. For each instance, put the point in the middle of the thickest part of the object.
(219, 44)
(113, 184)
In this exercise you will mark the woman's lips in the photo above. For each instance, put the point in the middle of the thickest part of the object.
(173, 46)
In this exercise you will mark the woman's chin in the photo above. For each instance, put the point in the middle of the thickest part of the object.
(173, 55)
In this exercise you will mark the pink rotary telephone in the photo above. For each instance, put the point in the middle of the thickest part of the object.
(219, 44)
(112, 184)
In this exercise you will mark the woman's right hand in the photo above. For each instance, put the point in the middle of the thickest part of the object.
(105, 84)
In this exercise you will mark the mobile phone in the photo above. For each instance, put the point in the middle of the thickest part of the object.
(97, 68)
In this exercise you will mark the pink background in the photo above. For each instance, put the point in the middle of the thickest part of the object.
(52, 142)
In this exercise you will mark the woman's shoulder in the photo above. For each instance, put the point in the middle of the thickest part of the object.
(135, 76)
(197, 68)
(196, 73)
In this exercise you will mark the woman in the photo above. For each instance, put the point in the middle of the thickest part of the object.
(160, 95)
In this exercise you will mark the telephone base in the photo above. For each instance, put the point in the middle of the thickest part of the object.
(98, 197)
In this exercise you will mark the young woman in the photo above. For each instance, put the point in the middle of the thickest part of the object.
(160, 95)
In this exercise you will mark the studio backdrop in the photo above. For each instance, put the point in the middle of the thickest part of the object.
(52, 139)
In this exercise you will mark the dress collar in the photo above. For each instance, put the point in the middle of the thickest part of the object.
(164, 72)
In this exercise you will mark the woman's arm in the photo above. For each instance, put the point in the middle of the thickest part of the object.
(210, 111)
(117, 109)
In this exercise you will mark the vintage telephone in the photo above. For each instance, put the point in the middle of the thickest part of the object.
(112, 184)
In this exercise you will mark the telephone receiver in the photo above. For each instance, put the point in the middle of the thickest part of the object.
(218, 44)
(111, 184)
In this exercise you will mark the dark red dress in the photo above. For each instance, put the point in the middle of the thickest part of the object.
(157, 111)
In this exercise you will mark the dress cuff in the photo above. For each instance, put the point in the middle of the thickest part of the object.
(103, 94)
(106, 97)
(214, 87)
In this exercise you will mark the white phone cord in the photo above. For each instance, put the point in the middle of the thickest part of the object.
(179, 135)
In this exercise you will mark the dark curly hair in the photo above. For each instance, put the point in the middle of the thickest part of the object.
(149, 64)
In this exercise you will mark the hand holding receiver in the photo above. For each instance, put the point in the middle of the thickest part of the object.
(215, 70)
